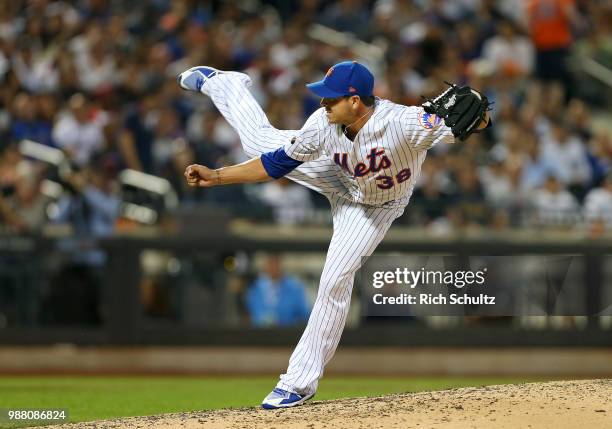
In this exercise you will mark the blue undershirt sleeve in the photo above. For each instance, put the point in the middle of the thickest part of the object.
(278, 163)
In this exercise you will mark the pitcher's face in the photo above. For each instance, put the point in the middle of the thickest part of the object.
(341, 110)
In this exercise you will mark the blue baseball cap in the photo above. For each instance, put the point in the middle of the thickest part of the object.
(342, 79)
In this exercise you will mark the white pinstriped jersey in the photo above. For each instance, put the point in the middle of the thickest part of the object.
(384, 161)
(380, 166)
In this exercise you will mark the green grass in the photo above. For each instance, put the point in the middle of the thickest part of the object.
(103, 397)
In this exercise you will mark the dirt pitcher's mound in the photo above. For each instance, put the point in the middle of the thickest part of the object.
(564, 404)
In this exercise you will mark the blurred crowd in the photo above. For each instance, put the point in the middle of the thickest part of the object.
(96, 79)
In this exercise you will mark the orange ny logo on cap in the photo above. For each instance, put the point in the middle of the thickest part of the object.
(329, 72)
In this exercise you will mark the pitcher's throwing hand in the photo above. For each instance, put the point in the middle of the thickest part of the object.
(199, 175)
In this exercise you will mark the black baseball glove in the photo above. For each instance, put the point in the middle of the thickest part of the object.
(462, 108)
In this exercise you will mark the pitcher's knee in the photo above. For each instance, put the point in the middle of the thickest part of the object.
(335, 275)
(332, 285)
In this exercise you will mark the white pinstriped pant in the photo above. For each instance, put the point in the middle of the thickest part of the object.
(358, 229)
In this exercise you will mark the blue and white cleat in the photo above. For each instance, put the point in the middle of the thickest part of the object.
(280, 398)
(194, 78)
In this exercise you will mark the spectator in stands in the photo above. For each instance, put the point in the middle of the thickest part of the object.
(27, 123)
(171, 151)
(600, 155)
(534, 168)
(137, 134)
(79, 130)
(154, 75)
(22, 206)
(10, 25)
(432, 192)
(168, 137)
(498, 185)
(347, 16)
(510, 53)
(289, 51)
(36, 70)
(469, 195)
(598, 206)
(550, 24)
(554, 205)
(578, 117)
(201, 131)
(10, 158)
(567, 155)
(96, 67)
(468, 41)
(92, 206)
(276, 299)
(290, 202)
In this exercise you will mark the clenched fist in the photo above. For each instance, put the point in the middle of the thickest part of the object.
(199, 175)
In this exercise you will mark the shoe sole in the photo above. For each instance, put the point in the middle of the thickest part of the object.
(292, 404)
(178, 78)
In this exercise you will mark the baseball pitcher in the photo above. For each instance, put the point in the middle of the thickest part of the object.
(363, 153)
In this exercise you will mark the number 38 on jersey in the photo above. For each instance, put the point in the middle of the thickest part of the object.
(377, 160)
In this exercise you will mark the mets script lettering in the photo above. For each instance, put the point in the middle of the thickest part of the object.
(377, 160)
